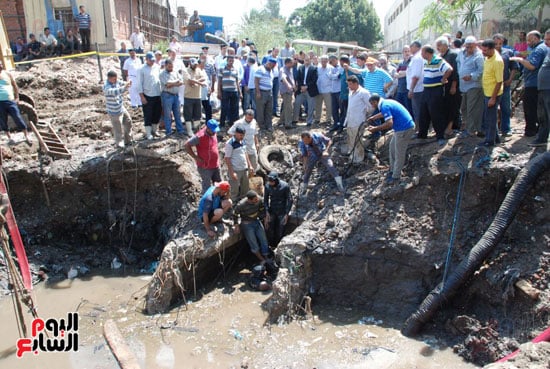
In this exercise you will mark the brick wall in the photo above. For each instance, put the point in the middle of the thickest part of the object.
(14, 17)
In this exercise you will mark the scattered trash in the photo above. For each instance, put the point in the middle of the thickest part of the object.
(236, 334)
(37, 253)
(73, 272)
(152, 267)
(539, 199)
(369, 320)
(83, 269)
(115, 264)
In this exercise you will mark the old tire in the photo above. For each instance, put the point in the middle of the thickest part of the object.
(276, 153)
(26, 98)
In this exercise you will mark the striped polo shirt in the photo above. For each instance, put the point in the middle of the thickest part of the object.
(374, 81)
(229, 79)
(265, 78)
(113, 97)
(434, 71)
(83, 20)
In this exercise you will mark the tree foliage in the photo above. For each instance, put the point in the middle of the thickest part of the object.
(338, 20)
(253, 26)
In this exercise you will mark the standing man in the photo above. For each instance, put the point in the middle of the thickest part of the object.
(263, 82)
(120, 119)
(510, 70)
(399, 119)
(277, 203)
(122, 58)
(251, 130)
(137, 38)
(207, 155)
(275, 89)
(306, 84)
(149, 92)
(415, 75)
(324, 85)
(238, 165)
(402, 94)
(287, 88)
(543, 83)
(287, 51)
(130, 71)
(228, 92)
(170, 81)
(436, 75)
(470, 69)
(250, 210)
(213, 205)
(195, 78)
(451, 99)
(210, 73)
(313, 148)
(9, 97)
(84, 27)
(531, 65)
(493, 76)
(358, 106)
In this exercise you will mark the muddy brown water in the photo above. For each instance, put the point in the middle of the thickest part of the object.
(224, 328)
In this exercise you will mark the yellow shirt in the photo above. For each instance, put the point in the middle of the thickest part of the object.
(493, 73)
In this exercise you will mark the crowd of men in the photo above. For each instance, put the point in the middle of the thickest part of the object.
(456, 87)
(47, 44)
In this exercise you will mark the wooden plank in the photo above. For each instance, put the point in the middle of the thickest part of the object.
(526, 287)
(126, 358)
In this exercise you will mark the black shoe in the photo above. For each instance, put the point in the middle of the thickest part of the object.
(480, 134)
(530, 134)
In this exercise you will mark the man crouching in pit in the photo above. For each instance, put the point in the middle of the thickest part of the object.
(213, 205)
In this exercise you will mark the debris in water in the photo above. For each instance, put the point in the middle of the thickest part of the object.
(115, 264)
(73, 272)
(369, 320)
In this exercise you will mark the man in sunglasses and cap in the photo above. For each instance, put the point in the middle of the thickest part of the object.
(207, 155)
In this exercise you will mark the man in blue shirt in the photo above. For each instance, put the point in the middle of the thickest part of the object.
(531, 66)
(395, 116)
(84, 27)
(213, 205)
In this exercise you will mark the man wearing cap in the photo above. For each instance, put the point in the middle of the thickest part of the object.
(228, 92)
(195, 79)
(251, 130)
(238, 164)
(170, 81)
(130, 71)
(398, 118)
(250, 210)
(149, 89)
(314, 147)
(120, 119)
(213, 205)
(277, 203)
(263, 82)
(470, 70)
(137, 39)
(207, 155)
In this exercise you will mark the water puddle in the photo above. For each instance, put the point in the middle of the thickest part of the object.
(224, 328)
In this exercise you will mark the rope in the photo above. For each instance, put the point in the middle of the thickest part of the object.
(455, 217)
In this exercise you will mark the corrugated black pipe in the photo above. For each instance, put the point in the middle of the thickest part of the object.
(506, 213)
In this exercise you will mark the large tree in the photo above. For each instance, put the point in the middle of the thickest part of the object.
(338, 20)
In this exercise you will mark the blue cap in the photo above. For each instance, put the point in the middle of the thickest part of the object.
(272, 60)
(213, 125)
(150, 55)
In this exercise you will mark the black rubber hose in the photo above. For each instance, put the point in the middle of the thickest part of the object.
(506, 213)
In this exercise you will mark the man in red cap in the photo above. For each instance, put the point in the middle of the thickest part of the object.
(214, 204)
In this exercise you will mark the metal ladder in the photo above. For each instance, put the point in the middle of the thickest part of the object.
(50, 142)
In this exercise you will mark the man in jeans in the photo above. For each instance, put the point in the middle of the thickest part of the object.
(250, 209)
(510, 70)
(228, 91)
(170, 81)
(263, 82)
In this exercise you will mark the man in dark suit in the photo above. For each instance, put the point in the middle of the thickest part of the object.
(306, 83)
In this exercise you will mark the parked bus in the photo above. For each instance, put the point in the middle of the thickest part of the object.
(325, 47)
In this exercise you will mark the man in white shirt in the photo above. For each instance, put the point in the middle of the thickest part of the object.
(251, 130)
(358, 107)
(324, 84)
(48, 42)
(137, 38)
(131, 67)
(415, 76)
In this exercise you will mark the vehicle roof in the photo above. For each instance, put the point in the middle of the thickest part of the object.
(328, 43)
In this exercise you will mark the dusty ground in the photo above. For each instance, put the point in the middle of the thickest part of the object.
(102, 204)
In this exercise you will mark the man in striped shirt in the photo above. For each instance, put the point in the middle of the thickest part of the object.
(432, 108)
(84, 27)
(228, 91)
(120, 119)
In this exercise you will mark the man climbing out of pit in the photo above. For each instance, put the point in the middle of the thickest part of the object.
(250, 210)
(395, 116)
(277, 203)
(207, 156)
(313, 148)
(213, 205)
(9, 97)
(238, 164)
(120, 119)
